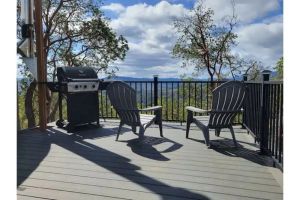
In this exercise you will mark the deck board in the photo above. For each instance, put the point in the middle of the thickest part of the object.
(90, 164)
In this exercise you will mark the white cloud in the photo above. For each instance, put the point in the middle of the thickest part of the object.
(246, 10)
(114, 7)
(149, 31)
(264, 41)
(151, 36)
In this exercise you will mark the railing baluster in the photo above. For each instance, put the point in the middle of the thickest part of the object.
(161, 94)
(207, 88)
(189, 93)
(167, 108)
(151, 93)
(172, 101)
(101, 103)
(106, 104)
(141, 100)
(273, 97)
(195, 88)
(183, 106)
(281, 126)
(178, 115)
(277, 121)
(201, 99)
(146, 95)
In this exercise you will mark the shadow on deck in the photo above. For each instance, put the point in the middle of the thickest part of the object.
(90, 164)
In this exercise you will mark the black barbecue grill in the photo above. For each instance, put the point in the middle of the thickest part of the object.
(79, 86)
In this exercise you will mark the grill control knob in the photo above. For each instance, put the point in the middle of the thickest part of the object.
(84, 86)
(93, 86)
(76, 86)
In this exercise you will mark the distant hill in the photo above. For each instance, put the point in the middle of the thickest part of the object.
(126, 78)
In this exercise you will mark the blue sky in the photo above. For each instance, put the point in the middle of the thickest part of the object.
(147, 25)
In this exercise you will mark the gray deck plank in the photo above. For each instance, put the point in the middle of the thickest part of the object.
(141, 187)
(91, 165)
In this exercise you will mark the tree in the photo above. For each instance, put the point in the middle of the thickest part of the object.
(239, 66)
(203, 42)
(76, 33)
(279, 69)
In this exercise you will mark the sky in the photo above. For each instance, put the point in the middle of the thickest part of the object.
(148, 27)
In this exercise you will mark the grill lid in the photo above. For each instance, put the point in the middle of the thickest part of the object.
(67, 74)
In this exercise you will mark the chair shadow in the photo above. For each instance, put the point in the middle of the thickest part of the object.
(238, 141)
(86, 150)
(146, 147)
(226, 147)
(241, 152)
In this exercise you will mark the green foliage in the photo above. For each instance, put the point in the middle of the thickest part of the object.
(279, 69)
(203, 42)
(77, 34)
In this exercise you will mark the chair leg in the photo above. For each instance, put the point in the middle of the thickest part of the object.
(233, 136)
(206, 137)
(188, 123)
(217, 132)
(141, 133)
(160, 129)
(133, 128)
(119, 130)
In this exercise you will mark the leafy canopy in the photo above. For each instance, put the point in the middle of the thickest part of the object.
(76, 33)
(203, 42)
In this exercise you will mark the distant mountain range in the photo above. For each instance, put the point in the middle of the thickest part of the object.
(126, 78)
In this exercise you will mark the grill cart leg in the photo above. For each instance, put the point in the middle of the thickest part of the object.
(69, 127)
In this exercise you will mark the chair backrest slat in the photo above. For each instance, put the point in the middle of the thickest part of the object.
(123, 99)
(227, 97)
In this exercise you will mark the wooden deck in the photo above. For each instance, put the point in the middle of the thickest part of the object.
(90, 164)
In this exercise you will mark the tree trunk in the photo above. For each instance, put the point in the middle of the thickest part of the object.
(29, 111)
(48, 103)
(18, 117)
(51, 117)
(212, 85)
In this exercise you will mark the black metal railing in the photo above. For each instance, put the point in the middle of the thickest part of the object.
(263, 117)
(173, 96)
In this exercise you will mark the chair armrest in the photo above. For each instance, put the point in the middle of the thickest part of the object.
(122, 109)
(151, 108)
(142, 110)
(226, 111)
(194, 109)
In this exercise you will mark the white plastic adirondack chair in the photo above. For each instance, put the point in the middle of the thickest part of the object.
(123, 99)
(227, 100)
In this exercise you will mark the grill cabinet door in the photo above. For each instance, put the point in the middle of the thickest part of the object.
(82, 107)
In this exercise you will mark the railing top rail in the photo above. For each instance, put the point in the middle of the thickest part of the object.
(265, 82)
(200, 81)
(139, 81)
(162, 81)
(273, 82)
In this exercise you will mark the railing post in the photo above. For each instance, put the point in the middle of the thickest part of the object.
(245, 78)
(264, 132)
(155, 80)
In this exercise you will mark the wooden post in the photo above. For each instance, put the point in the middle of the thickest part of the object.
(41, 67)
